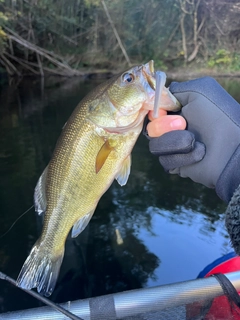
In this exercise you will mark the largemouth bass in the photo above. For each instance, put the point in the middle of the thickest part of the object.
(93, 149)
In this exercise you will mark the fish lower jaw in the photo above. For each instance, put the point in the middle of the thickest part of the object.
(148, 105)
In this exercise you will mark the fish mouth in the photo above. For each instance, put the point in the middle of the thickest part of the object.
(149, 67)
(149, 74)
(159, 97)
(149, 84)
(156, 81)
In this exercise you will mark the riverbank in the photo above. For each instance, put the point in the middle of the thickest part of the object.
(191, 73)
(182, 73)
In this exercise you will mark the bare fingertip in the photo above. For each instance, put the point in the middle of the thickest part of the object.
(178, 124)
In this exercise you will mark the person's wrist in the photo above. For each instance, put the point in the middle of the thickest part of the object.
(229, 179)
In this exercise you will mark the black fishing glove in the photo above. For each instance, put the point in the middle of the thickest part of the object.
(208, 151)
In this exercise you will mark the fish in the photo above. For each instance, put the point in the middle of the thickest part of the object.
(93, 149)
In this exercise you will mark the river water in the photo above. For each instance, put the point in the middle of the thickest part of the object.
(171, 227)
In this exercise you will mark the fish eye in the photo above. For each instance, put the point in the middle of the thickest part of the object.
(128, 77)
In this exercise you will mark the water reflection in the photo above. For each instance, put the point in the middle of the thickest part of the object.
(171, 227)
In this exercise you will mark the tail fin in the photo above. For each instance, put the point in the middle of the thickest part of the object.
(40, 270)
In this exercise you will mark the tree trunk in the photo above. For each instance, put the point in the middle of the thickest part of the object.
(184, 41)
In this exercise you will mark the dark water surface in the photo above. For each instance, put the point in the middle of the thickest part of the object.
(171, 227)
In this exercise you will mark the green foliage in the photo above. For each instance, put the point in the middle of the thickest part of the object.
(89, 3)
(3, 36)
(2, 40)
(235, 66)
(3, 17)
(160, 65)
(221, 58)
(225, 59)
(80, 31)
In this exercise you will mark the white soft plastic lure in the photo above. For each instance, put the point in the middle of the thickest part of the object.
(161, 92)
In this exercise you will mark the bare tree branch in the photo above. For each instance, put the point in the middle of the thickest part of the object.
(41, 52)
(116, 33)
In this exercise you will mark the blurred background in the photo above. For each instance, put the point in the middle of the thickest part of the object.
(49, 36)
(170, 228)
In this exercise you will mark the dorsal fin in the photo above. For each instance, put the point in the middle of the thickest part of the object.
(40, 201)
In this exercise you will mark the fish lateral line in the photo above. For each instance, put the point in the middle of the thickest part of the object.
(92, 133)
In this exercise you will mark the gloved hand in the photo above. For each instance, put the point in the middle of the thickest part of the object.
(208, 152)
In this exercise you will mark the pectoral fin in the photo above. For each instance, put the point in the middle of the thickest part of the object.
(123, 174)
(102, 155)
(40, 201)
(81, 224)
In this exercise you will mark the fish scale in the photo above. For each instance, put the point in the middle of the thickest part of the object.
(94, 148)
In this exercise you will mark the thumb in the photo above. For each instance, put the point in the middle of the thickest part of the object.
(164, 124)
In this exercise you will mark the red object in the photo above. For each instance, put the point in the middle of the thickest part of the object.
(231, 265)
(221, 308)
